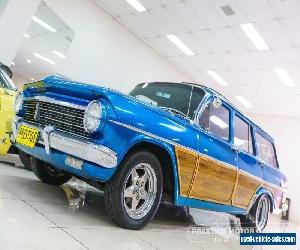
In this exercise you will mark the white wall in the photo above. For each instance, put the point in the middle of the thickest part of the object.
(286, 133)
(13, 24)
(105, 52)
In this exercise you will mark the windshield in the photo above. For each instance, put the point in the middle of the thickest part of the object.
(181, 99)
(6, 82)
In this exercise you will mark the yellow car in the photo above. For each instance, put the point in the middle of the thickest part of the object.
(7, 96)
(8, 92)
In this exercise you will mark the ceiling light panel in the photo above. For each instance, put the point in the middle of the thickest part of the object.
(254, 36)
(244, 101)
(285, 77)
(43, 24)
(179, 44)
(136, 5)
(218, 121)
(43, 58)
(59, 54)
(217, 77)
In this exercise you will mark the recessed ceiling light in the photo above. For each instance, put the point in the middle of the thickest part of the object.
(43, 58)
(43, 24)
(216, 77)
(137, 5)
(244, 101)
(218, 121)
(13, 63)
(254, 36)
(26, 35)
(176, 41)
(31, 79)
(285, 77)
(28, 60)
(61, 55)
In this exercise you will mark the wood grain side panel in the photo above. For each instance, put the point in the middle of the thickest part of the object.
(214, 181)
(245, 189)
(187, 163)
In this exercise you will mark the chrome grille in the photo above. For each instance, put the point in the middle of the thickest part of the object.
(62, 118)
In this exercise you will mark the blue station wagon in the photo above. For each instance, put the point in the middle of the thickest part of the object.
(178, 142)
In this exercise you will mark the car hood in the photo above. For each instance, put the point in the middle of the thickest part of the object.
(89, 92)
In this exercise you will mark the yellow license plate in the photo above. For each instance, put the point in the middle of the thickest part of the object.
(27, 136)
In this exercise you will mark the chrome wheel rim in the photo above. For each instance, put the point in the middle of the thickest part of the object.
(262, 213)
(139, 191)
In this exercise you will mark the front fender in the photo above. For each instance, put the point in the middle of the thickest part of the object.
(262, 191)
(141, 138)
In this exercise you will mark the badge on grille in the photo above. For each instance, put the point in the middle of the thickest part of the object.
(37, 112)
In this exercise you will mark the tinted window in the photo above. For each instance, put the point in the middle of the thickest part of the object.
(170, 95)
(197, 97)
(216, 120)
(266, 150)
(242, 135)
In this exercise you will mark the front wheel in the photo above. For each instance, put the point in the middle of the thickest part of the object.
(133, 195)
(25, 159)
(258, 215)
(48, 174)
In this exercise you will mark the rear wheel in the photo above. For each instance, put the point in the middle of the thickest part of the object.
(133, 195)
(48, 174)
(25, 159)
(258, 215)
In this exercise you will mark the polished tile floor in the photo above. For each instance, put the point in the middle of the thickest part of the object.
(34, 215)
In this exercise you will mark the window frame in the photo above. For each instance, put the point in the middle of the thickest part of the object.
(262, 134)
(230, 125)
(240, 116)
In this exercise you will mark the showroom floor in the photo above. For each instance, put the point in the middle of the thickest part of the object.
(35, 215)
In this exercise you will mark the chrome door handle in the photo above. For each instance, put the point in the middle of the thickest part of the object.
(260, 163)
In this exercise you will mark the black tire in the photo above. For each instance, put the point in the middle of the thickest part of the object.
(251, 220)
(48, 174)
(115, 196)
(26, 160)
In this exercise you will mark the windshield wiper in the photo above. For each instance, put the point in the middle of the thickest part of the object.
(175, 111)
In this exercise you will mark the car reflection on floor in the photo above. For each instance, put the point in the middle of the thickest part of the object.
(72, 216)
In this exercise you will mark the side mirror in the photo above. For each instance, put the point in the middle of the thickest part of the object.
(217, 102)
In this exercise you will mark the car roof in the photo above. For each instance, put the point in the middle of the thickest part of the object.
(6, 69)
(216, 93)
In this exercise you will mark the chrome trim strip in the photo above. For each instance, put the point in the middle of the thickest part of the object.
(54, 101)
(194, 151)
(82, 149)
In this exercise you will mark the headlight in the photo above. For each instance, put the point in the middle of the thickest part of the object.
(92, 116)
(18, 102)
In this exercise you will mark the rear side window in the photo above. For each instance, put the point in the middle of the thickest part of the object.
(242, 135)
(216, 120)
(265, 150)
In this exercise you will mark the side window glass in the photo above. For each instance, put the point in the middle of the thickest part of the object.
(265, 150)
(242, 135)
(216, 120)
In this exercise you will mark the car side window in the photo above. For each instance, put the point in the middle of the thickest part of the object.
(216, 120)
(265, 150)
(242, 135)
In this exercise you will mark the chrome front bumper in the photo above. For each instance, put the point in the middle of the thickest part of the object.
(80, 148)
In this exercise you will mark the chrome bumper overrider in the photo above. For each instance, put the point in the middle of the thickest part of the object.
(79, 148)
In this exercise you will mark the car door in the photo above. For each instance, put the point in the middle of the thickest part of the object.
(216, 169)
(266, 155)
(249, 177)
